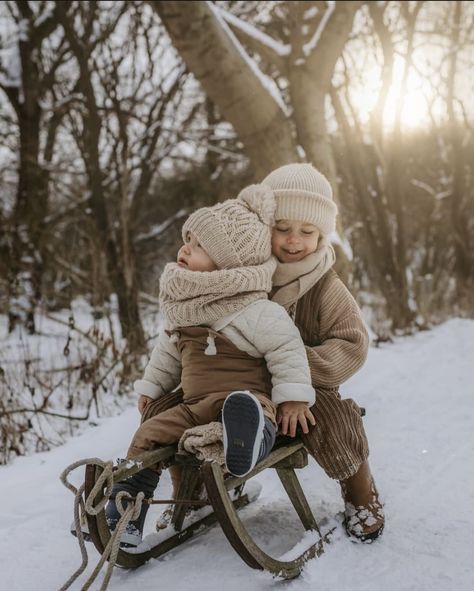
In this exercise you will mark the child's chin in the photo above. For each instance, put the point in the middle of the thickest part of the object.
(288, 258)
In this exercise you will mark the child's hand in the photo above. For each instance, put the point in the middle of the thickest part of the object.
(291, 413)
(143, 402)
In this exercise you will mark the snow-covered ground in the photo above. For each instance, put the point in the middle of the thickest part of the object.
(419, 396)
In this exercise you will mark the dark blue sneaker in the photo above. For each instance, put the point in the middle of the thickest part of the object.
(248, 435)
(84, 528)
(144, 481)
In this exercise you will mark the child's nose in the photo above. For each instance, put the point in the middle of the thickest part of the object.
(184, 250)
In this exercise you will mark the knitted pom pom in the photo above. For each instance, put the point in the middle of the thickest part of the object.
(261, 200)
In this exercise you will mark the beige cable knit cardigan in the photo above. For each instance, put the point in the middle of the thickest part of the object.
(333, 330)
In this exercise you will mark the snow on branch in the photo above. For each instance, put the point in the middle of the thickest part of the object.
(250, 31)
(10, 62)
(425, 187)
(156, 231)
(44, 16)
(10, 67)
(309, 47)
(266, 81)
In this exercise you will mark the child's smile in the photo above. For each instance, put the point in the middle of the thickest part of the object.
(293, 240)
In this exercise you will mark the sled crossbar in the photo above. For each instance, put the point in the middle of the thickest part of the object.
(285, 458)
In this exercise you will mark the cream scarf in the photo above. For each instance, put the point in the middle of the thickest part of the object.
(192, 298)
(293, 280)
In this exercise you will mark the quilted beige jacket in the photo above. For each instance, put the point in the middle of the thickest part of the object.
(262, 329)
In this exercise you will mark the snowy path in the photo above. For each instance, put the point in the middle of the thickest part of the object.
(419, 396)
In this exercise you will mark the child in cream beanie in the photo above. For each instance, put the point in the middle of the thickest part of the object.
(303, 193)
(334, 334)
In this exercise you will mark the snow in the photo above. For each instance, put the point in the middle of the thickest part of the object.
(160, 228)
(430, 190)
(45, 15)
(264, 80)
(310, 13)
(309, 47)
(10, 67)
(279, 48)
(418, 394)
(336, 238)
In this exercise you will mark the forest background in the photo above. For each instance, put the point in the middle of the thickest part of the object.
(117, 119)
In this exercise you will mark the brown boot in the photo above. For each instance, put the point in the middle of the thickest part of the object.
(364, 516)
(176, 473)
(164, 519)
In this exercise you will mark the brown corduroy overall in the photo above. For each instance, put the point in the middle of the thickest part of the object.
(212, 368)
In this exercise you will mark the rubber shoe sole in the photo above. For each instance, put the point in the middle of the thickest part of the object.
(243, 422)
(85, 531)
(131, 537)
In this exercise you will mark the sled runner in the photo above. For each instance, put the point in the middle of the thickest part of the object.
(224, 494)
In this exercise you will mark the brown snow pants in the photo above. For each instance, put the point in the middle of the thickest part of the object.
(337, 442)
(166, 426)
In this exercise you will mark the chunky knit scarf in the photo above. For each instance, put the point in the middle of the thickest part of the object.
(293, 280)
(192, 298)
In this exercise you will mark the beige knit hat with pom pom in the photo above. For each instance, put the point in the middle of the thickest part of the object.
(303, 194)
(237, 232)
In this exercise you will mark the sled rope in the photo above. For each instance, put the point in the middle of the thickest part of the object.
(129, 513)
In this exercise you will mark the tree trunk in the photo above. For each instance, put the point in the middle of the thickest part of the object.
(245, 97)
(27, 228)
(381, 255)
(396, 186)
(310, 76)
(464, 267)
(230, 79)
(127, 292)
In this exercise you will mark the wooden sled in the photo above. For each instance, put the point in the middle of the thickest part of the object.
(285, 458)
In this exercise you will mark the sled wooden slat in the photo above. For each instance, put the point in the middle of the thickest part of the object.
(189, 482)
(100, 533)
(147, 459)
(238, 536)
(284, 458)
(278, 455)
(295, 493)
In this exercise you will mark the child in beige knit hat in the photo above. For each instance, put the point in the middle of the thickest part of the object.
(231, 349)
(334, 334)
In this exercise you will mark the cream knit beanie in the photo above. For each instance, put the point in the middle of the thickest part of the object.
(304, 194)
(237, 232)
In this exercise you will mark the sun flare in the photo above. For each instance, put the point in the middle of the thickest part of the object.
(415, 110)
